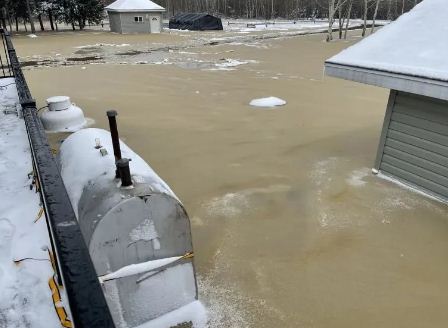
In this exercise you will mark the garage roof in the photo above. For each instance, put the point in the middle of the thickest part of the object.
(409, 54)
(134, 5)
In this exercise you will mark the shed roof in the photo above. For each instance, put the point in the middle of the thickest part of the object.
(409, 54)
(134, 5)
(190, 16)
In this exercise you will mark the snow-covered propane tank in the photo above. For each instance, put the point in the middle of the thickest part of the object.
(139, 237)
(62, 116)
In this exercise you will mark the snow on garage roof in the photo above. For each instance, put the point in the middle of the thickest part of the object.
(413, 49)
(134, 5)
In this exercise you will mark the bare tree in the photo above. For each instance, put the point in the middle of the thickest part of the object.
(374, 16)
(333, 7)
(349, 12)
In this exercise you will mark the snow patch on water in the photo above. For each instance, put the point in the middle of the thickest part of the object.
(231, 63)
(268, 102)
(357, 177)
(228, 64)
(234, 204)
(225, 304)
(103, 45)
(321, 168)
(230, 205)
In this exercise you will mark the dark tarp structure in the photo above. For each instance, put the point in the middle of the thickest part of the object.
(195, 22)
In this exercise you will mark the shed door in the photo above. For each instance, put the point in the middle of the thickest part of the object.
(414, 145)
(155, 23)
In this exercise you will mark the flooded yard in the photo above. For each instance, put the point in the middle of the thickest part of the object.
(290, 228)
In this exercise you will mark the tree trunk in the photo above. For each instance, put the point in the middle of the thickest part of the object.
(4, 18)
(41, 23)
(341, 22)
(17, 24)
(349, 12)
(402, 7)
(50, 17)
(389, 9)
(24, 24)
(9, 22)
(330, 20)
(364, 27)
(374, 16)
(30, 16)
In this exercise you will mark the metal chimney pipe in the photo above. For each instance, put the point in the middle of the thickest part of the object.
(111, 115)
(125, 172)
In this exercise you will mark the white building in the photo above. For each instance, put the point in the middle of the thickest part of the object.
(409, 57)
(135, 16)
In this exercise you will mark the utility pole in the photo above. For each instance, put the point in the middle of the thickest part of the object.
(272, 9)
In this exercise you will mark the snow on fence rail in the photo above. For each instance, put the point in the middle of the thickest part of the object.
(75, 270)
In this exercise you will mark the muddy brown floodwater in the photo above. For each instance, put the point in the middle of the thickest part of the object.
(290, 228)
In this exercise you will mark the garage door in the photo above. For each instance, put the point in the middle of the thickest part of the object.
(414, 142)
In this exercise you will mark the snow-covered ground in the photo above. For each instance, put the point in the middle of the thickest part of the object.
(247, 26)
(25, 299)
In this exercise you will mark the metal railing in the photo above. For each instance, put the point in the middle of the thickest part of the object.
(76, 272)
(5, 66)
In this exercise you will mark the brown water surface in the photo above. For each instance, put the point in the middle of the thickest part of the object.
(290, 228)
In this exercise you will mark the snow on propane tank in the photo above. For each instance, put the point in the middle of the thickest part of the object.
(62, 116)
(139, 237)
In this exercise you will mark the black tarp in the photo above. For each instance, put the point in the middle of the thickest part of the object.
(195, 22)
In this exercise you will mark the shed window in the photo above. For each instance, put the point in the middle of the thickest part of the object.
(138, 19)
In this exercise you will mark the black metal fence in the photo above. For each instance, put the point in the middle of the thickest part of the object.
(5, 66)
(87, 303)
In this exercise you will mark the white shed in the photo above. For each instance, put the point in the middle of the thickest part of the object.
(409, 57)
(135, 16)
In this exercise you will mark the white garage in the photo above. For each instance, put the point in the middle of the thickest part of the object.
(135, 16)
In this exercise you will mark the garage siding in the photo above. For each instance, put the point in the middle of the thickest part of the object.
(414, 142)
(114, 21)
(129, 25)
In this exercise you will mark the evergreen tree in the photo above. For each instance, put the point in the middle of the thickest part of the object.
(91, 11)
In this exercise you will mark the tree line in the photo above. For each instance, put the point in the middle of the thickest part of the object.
(79, 13)
(289, 9)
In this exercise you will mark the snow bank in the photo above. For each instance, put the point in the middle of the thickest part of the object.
(268, 102)
(25, 299)
(415, 44)
(241, 26)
